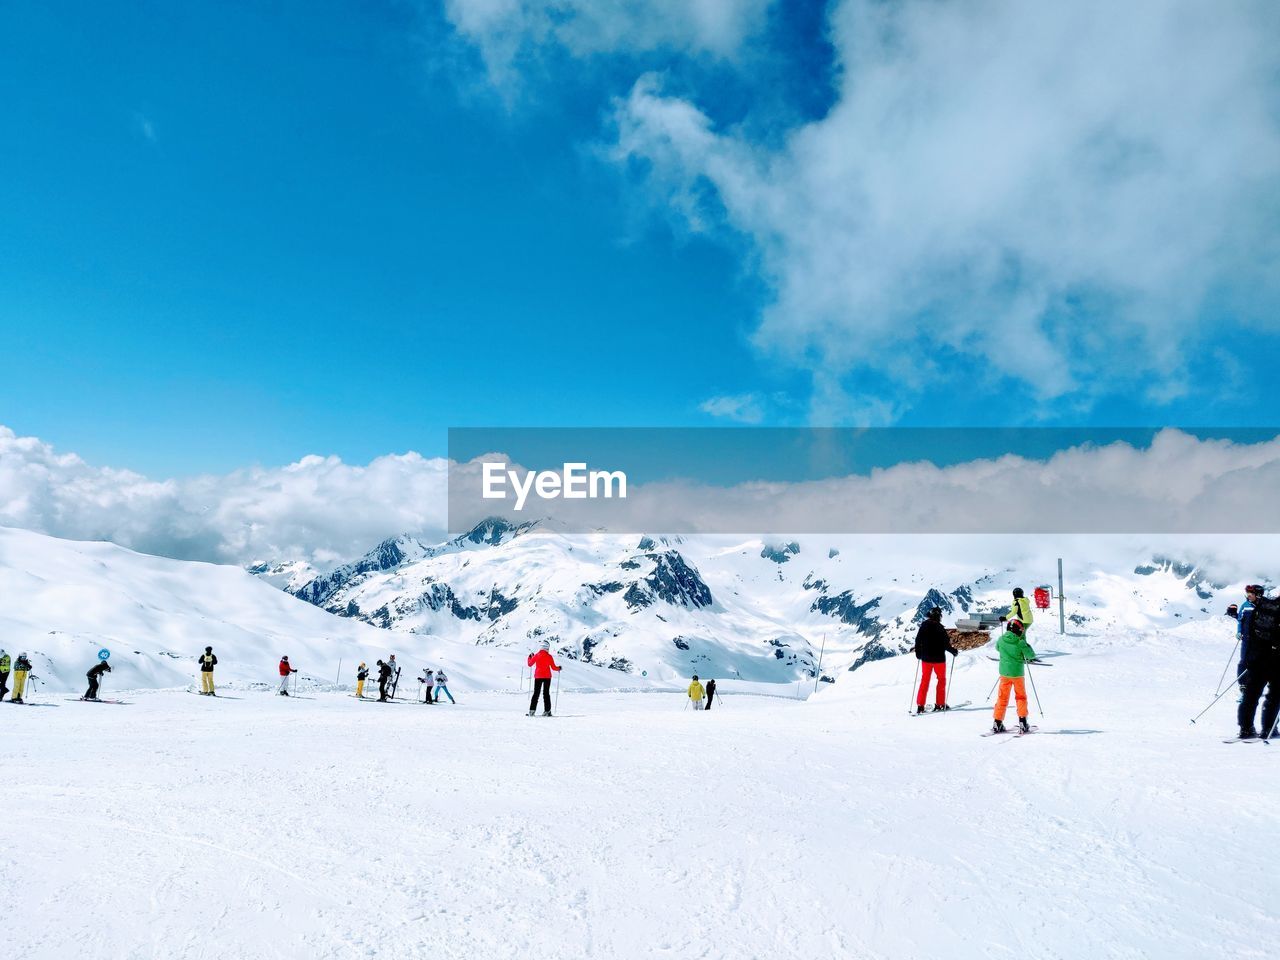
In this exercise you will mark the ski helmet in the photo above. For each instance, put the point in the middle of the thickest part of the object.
(545, 645)
(208, 649)
(1254, 589)
(1017, 592)
(284, 658)
(935, 613)
(1015, 625)
(695, 676)
(23, 654)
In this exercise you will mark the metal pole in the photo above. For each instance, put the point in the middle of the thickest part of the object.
(1062, 613)
(338, 679)
(912, 701)
(950, 673)
(818, 679)
(557, 691)
(993, 688)
(1218, 697)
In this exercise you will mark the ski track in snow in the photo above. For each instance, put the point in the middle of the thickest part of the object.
(262, 827)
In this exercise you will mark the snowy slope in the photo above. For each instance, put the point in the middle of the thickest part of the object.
(746, 608)
(631, 828)
(64, 600)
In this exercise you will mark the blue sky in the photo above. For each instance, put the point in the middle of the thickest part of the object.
(235, 235)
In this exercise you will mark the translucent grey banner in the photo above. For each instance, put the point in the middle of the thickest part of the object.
(885, 480)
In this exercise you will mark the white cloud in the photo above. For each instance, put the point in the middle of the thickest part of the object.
(318, 509)
(145, 126)
(1069, 191)
(510, 33)
(741, 408)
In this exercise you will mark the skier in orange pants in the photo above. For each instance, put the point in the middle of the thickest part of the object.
(1014, 653)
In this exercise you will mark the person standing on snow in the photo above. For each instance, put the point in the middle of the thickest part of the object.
(5, 667)
(1014, 653)
(429, 679)
(21, 667)
(1243, 616)
(695, 693)
(543, 664)
(933, 643)
(384, 677)
(395, 671)
(711, 693)
(442, 686)
(362, 674)
(1020, 610)
(1261, 669)
(285, 670)
(207, 662)
(95, 676)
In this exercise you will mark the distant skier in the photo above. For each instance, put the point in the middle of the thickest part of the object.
(543, 664)
(21, 667)
(695, 693)
(1020, 610)
(395, 673)
(207, 662)
(1014, 653)
(428, 679)
(1261, 668)
(95, 677)
(442, 686)
(711, 693)
(933, 643)
(384, 677)
(5, 666)
(285, 670)
(362, 674)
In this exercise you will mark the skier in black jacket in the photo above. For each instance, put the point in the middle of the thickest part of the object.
(933, 643)
(711, 693)
(95, 675)
(1261, 669)
(384, 677)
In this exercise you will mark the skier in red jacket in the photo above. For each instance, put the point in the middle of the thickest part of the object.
(285, 670)
(543, 663)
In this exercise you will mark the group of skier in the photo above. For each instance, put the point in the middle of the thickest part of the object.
(933, 643)
(17, 670)
(698, 691)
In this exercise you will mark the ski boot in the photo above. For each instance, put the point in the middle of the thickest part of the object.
(919, 709)
(997, 726)
(546, 713)
(1023, 726)
(1248, 733)
(532, 713)
(940, 707)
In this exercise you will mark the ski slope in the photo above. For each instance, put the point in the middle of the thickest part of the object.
(627, 827)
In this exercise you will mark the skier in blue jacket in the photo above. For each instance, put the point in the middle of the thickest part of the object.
(1244, 616)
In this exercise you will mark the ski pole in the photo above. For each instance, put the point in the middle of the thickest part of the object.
(1033, 690)
(1271, 732)
(993, 688)
(950, 673)
(557, 692)
(1218, 697)
(913, 687)
(1227, 667)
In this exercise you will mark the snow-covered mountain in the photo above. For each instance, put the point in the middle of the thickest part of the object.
(751, 608)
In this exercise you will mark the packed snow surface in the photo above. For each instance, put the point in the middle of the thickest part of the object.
(628, 826)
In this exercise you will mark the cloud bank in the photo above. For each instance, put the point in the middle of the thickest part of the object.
(319, 509)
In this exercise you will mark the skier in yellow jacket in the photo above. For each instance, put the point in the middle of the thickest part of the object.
(1020, 610)
(695, 693)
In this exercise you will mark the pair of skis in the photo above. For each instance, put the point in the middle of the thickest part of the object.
(1015, 730)
(958, 706)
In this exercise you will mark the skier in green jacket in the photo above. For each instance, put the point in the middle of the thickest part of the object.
(1014, 653)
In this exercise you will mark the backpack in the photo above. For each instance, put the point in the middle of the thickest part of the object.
(1264, 628)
